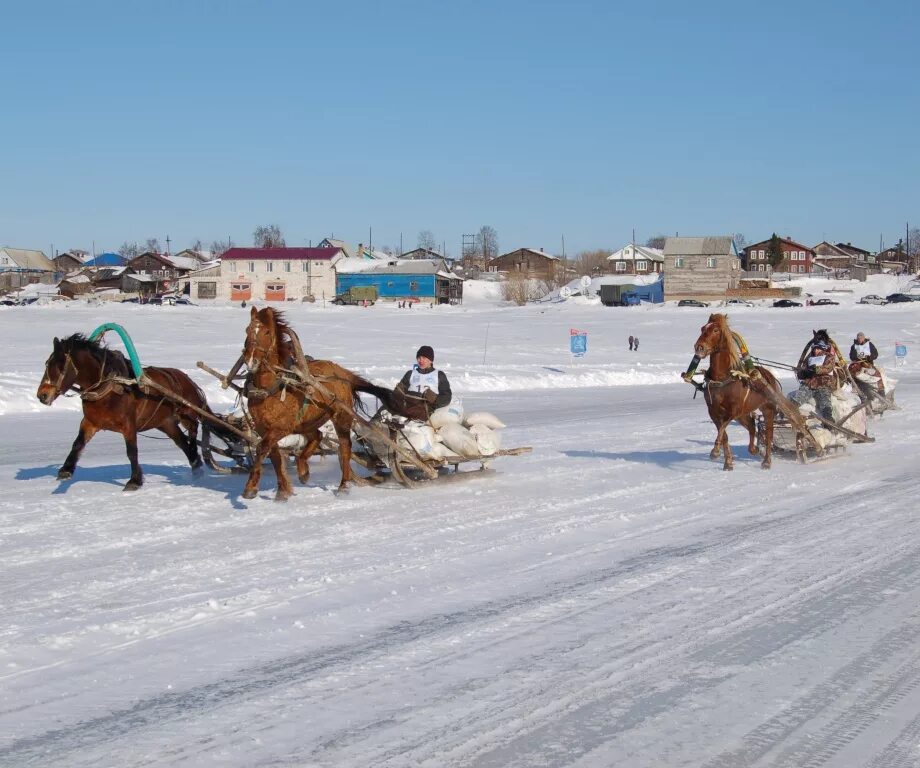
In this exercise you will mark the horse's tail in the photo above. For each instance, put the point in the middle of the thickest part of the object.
(385, 395)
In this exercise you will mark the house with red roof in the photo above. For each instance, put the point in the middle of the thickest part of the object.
(276, 274)
(797, 258)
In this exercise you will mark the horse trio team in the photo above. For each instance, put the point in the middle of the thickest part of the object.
(288, 393)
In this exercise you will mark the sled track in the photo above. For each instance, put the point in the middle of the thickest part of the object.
(528, 726)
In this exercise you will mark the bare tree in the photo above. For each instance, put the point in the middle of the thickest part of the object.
(152, 244)
(128, 250)
(219, 247)
(196, 245)
(740, 241)
(913, 248)
(268, 237)
(426, 240)
(591, 262)
(656, 242)
(487, 243)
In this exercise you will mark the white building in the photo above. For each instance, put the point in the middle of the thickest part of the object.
(270, 274)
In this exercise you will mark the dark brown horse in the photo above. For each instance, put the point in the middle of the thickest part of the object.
(111, 402)
(732, 394)
(289, 395)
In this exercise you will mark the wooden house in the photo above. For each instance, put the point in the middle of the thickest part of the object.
(700, 267)
(529, 262)
(635, 259)
(797, 258)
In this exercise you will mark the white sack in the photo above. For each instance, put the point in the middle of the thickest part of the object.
(489, 442)
(452, 413)
(460, 440)
(419, 437)
(484, 418)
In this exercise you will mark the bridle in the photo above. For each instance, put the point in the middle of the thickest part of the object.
(68, 363)
(252, 362)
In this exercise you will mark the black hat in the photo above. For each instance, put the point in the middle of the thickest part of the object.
(425, 351)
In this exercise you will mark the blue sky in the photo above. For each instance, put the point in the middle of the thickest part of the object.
(579, 119)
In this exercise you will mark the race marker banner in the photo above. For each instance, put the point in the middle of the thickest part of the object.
(578, 342)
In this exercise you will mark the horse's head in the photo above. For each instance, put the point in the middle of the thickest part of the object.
(60, 373)
(261, 337)
(711, 335)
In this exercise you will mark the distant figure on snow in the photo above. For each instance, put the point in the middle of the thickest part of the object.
(631, 342)
(636, 344)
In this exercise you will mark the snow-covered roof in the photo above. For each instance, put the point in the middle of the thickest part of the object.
(25, 258)
(185, 262)
(632, 252)
(390, 266)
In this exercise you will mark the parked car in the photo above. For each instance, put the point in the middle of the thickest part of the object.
(871, 298)
(898, 298)
(186, 301)
(738, 303)
(357, 295)
(155, 300)
(692, 303)
(786, 303)
(826, 303)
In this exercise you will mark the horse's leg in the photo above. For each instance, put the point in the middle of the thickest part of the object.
(750, 424)
(269, 440)
(190, 423)
(187, 443)
(84, 435)
(769, 415)
(303, 458)
(285, 490)
(726, 447)
(130, 434)
(717, 445)
(342, 424)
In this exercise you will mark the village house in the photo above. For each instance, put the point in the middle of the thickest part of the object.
(700, 267)
(797, 258)
(331, 242)
(529, 262)
(23, 266)
(68, 261)
(635, 259)
(161, 269)
(276, 274)
(832, 257)
(858, 255)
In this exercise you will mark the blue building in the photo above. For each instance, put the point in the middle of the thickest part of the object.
(427, 280)
(106, 260)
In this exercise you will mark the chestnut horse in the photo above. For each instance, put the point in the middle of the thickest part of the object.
(112, 402)
(733, 397)
(288, 395)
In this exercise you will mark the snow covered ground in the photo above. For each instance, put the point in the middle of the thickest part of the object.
(612, 599)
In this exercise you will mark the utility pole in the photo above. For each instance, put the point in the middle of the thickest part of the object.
(167, 245)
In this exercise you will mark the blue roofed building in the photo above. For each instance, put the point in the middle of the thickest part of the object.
(428, 280)
(106, 260)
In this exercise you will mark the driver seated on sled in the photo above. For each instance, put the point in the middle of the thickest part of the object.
(818, 375)
(863, 355)
(424, 382)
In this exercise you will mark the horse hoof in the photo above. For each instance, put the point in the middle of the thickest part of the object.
(342, 490)
(753, 451)
(279, 497)
(64, 474)
(727, 468)
(250, 493)
(131, 485)
(765, 465)
(714, 455)
(197, 470)
(304, 479)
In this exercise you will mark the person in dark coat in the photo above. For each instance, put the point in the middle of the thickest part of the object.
(636, 344)
(630, 343)
(425, 382)
(863, 355)
(863, 351)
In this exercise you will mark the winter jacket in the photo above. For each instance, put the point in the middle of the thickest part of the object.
(417, 380)
(865, 351)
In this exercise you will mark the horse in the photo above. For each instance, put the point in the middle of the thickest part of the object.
(113, 401)
(735, 398)
(287, 394)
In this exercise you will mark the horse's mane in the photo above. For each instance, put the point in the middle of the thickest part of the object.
(721, 321)
(111, 360)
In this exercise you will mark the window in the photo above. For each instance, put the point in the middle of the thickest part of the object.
(252, 266)
(620, 266)
(801, 267)
(711, 262)
(207, 290)
(641, 265)
(287, 266)
(305, 266)
(413, 285)
(760, 253)
(269, 266)
(794, 255)
(679, 262)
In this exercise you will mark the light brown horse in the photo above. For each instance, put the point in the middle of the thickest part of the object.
(735, 398)
(109, 404)
(285, 399)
